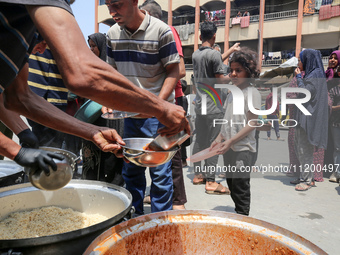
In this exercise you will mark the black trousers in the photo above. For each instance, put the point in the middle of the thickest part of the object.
(182, 101)
(206, 133)
(179, 196)
(238, 178)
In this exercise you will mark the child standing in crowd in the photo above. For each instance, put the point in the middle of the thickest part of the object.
(237, 142)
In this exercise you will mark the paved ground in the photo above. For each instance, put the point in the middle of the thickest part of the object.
(312, 214)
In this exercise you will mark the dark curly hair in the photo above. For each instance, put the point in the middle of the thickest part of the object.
(248, 59)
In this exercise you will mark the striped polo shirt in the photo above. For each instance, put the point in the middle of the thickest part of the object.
(45, 80)
(18, 35)
(143, 55)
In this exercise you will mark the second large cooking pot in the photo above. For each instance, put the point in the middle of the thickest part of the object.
(10, 173)
(90, 197)
(199, 232)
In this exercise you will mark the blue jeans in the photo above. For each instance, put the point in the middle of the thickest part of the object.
(134, 176)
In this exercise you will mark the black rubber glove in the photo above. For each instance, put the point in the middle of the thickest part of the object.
(27, 139)
(37, 159)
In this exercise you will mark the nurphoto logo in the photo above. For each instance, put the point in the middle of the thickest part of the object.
(238, 100)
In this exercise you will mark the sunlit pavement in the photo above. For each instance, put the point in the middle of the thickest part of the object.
(313, 214)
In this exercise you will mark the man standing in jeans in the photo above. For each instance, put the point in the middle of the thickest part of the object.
(143, 49)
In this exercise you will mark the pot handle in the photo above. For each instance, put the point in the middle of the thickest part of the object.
(130, 214)
(77, 158)
(74, 163)
(129, 155)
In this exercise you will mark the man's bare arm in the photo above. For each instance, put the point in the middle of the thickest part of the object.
(170, 81)
(182, 71)
(8, 148)
(19, 97)
(88, 76)
(235, 47)
(11, 119)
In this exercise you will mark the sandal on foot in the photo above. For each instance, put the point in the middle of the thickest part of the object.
(147, 200)
(218, 190)
(303, 186)
(296, 181)
(223, 175)
(178, 207)
(203, 181)
(199, 180)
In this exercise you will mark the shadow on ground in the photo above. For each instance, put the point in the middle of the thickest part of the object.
(224, 208)
(282, 178)
(338, 190)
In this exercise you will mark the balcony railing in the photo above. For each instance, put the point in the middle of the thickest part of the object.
(325, 61)
(255, 18)
(273, 62)
(276, 15)
(269, 16)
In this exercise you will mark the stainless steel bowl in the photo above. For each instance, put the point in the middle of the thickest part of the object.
(56, 179)
(135, 153)
(164, 143)
(116, 115)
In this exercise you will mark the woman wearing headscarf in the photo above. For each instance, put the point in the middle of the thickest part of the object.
(311, 131)
(319, 153)
(334, 123)
(333, 63)
(98, 165)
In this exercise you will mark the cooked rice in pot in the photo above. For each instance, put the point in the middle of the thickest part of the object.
(45, 221)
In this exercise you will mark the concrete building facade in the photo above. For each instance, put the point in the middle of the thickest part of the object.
(276, 29)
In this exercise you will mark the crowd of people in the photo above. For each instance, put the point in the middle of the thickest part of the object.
(140, 60)
(313, 142)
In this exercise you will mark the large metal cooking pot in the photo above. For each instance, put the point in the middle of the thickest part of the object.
(199, 232)
(135, 153)
(90, 197)
(10, 173)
